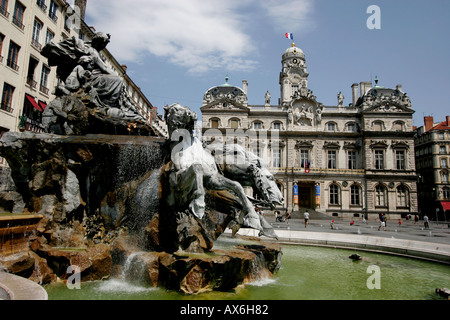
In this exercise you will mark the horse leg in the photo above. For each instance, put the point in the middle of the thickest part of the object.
(248, 216)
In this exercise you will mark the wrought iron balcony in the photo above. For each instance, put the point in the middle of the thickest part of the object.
(12, 64)
(43, 89)
(31, 82)
(4, 11)
(5, 107)
(18, 23)
(41, 5)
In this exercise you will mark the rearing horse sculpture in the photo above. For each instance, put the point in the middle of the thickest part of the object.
(193, 169)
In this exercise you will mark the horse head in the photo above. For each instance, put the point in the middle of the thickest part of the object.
(179, 117)
(249, 170)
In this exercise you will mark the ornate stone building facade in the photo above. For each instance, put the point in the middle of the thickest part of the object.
(342, 161)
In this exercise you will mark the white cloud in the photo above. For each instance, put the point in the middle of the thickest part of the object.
(196, 34)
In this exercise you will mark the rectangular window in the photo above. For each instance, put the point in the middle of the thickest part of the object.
(7, 97)
(53, 10)
(400, 159)
(379, 159)
(352, 160)
(13, 56)
(234, 124)
(380, 196)
(334, 195)
(442, 149)
(2, 37)
(402, 197)
(331, 159)
(4, 8)
(445, 178)
(44, 79)
(257, 126)
(304, 158)
(36, 37)
(49, 36)
(19, 11)
(276, 158)
(277, 126)
(294, 90)
(444, 163)
(355, 196)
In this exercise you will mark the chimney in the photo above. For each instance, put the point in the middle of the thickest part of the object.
(245, 86)
(82, 5)
(355, 93)
(429, 121)
(365, 86)
(448, 121)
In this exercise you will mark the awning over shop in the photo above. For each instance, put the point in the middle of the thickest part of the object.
(33, 103)
(445, 205)
(43, 105)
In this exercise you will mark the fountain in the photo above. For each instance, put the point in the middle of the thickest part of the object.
(114, 198)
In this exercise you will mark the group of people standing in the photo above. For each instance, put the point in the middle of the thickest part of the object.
(382, 219)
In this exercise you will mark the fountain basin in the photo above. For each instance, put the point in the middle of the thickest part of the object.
(14, 232)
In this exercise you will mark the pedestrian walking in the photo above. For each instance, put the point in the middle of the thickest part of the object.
(306, 215)
(288, 217)
(416, 219)
(382, 222)
(426, 221)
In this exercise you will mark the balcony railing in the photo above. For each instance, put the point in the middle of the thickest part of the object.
(43, 89)
(36, 44)
(53, 16)
(42, 5)
(12, 64)
(31, 82)
(4, 11)
(18, 23)
(5, 107)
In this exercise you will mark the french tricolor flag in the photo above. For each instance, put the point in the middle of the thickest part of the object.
(289, 36)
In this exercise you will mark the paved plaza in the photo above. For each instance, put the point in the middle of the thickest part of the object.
(438, 232)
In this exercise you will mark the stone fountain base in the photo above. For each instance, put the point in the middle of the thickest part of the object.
(218, 270)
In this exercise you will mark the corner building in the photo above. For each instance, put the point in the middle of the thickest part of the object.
(341, 161)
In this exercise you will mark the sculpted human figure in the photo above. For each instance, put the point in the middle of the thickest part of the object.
(80, 66)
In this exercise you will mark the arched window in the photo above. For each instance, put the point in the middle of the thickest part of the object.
(380, 196)
(331, 127)
(355, 195)
(214, 123)
(377, 125)
(402, 196)
(234, 123)
(351, 127)
(334, 194)
(399, 126)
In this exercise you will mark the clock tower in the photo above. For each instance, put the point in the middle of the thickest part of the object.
(293, 75)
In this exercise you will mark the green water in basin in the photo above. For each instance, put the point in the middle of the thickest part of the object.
(307, 273)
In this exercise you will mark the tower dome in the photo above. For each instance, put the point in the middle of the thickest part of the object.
(293, 51)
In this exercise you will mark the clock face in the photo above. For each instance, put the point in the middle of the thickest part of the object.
(295, 78)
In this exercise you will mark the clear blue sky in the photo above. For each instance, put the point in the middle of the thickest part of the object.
(176, 50)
